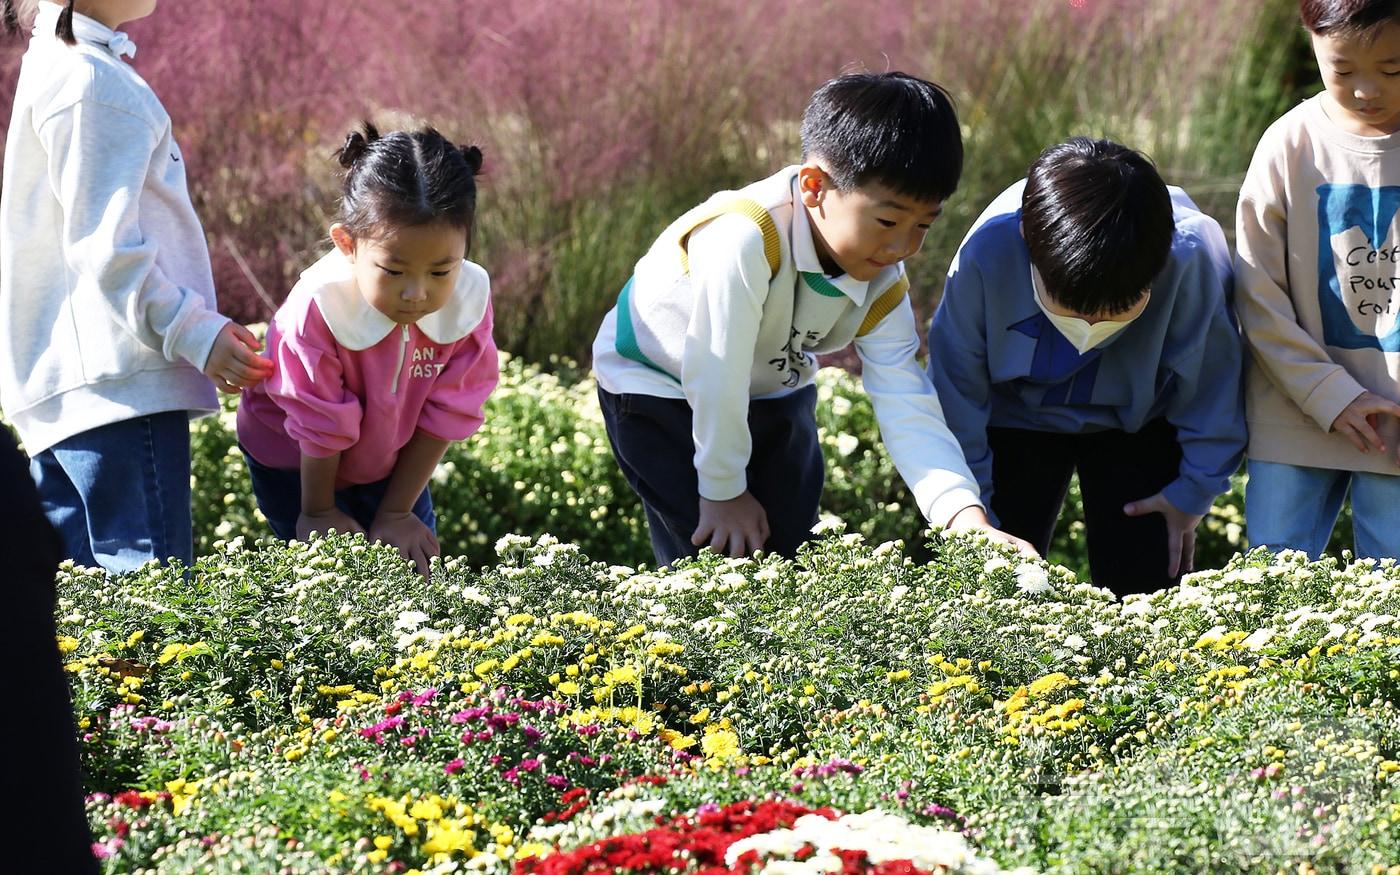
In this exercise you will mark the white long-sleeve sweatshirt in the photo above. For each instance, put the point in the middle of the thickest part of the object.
(107, 307)
(722, 326)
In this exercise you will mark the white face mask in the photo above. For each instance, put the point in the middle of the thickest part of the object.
(1082, 334)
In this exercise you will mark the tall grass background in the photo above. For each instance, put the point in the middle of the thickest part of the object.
(603, 119)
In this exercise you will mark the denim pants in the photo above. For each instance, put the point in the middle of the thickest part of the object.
(119, 495)
(278, 492)
(1295, 507)
(653, 442)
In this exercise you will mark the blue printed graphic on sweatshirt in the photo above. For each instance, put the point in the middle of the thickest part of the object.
(1357, 266)
(1057, 362)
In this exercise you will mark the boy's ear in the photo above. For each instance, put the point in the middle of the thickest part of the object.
(340, 236)
(812, 184)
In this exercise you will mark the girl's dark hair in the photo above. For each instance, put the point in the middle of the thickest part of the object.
(406, 178)
(65, 25)
(1347, 17)
(1098, 223)
(9, 20)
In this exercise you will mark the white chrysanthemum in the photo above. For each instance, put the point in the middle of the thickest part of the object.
(846, 443)
(884, 837)
(1032, 579)
(1075, 642)
(511, 542)
(409, 620)
(1257, 639)
(840, 405)
(734, 580)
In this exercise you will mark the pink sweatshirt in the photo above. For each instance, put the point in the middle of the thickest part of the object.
(350, 380)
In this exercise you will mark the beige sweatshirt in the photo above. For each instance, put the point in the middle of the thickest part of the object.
(1316, 274)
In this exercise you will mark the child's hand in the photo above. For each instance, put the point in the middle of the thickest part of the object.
(324, 521)
(974, 517)
(1388, 427)
(234, 363)
(414, 540)
(1357, 421)
(736, 527)
(1181, 531)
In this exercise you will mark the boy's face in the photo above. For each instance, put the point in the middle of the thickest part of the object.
(866, 229)
(1362, 76)
(405, 273)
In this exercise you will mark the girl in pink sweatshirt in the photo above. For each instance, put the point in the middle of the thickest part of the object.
(383, 351)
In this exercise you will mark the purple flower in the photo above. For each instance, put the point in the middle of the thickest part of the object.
(454, 766)
(558, 782)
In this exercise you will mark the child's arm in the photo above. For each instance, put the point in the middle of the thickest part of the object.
(99, 158)
(1296, 363)
(957, 366)
(394, 523)
(451, 412)
(318, 509)
(910, 416)
(729, 277)
(1206, 406)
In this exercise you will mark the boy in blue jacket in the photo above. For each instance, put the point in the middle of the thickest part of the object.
(1086, 327)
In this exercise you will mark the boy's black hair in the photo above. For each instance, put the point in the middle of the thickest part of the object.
(406, 178)
(9, 20)
(887, 128)
(1347, 17)
(1097, 220)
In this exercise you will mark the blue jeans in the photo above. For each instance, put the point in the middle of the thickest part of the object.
(1295, 507)
(278, 492)
(119, 495)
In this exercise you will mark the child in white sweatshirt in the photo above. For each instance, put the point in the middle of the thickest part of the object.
(107, 308)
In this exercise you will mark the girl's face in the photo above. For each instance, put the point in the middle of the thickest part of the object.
(115, 13)
(1362, 76)
(405, 273)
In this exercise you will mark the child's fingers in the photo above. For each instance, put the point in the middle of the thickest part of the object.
(249, 357)
(236, 372)
(1367, 434)
(249, 338)
(702, 534)
(1174, 546)
(1346, 431)
(737, 542)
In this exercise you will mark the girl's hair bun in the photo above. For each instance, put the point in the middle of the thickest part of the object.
(471, 155)
(357, 143)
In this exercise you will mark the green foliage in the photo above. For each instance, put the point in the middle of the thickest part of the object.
(541, 464)
(319, 707)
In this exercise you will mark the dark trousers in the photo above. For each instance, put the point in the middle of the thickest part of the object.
(49, 824)
(278, 492)
(652, 439)
(1030, 476)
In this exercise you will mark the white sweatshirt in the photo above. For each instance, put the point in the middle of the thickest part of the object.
(107, 307)
(732, 329)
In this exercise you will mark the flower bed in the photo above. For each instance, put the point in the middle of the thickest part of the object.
(541, 465)
(318, 708)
